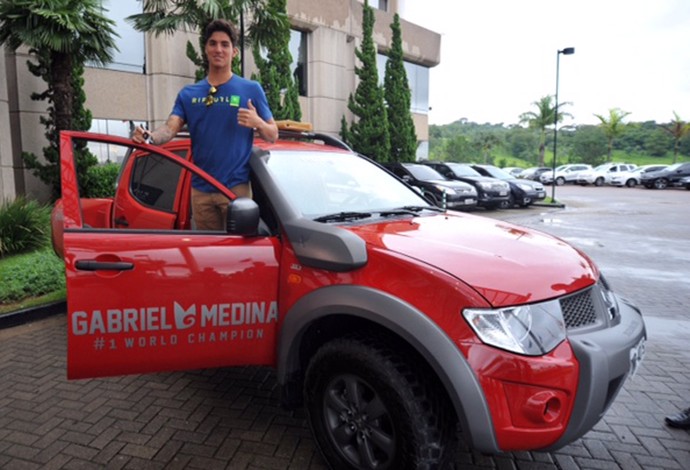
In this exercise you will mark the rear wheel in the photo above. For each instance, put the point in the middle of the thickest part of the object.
(507, 204)
(660, 183)
(370, 407)
(599, 181)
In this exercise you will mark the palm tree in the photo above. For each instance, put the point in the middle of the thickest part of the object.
(612, 126)
(168, 16)
(678, 129)
(70, 32)
(542, 119)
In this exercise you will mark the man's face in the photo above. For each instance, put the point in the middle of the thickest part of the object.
(219, 50)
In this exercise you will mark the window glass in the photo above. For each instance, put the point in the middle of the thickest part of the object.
(154, 181)
(298, 50)
(417, 79)
(106, 153)
(130, 57)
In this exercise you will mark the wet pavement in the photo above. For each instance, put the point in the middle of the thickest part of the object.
(230, 418)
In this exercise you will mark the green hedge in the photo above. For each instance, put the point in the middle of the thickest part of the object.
(24, 226)
(101, 180)
(30, 275)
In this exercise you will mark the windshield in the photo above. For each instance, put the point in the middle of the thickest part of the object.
(320, 183)
(673, 167)
(462, 170)
(424, 173)
(498, 173)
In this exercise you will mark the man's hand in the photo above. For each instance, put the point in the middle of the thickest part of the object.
(248, 117)
(141, 135)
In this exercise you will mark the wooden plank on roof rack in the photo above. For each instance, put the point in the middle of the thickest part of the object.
(289, 125)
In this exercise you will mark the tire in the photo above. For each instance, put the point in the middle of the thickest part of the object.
(599, 181)
(407, 425)
(631, 183)
(508, 204)
(560, 181)
(660, 183)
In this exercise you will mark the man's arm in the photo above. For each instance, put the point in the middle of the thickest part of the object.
(161, 135)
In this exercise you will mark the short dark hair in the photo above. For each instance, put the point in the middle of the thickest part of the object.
(223, 26)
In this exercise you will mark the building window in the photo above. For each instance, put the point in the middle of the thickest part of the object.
(106, 153)
(298, 50)
(130, 57)
(417, 79)
(380, 4)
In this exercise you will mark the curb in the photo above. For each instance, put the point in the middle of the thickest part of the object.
(555, 205)
(32, 314)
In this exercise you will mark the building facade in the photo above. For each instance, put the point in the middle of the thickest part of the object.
(141, 84)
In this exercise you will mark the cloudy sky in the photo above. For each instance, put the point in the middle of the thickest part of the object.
(499, 56)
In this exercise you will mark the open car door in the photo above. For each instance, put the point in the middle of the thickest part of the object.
(151, 295)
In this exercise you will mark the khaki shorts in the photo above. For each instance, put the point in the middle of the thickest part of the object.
(210, 210)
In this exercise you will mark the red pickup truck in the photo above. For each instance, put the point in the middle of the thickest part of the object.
(392, 321)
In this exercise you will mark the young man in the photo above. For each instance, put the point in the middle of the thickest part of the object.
(222, 112)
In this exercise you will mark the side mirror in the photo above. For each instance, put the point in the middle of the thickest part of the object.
(243, 217)
(407, 178)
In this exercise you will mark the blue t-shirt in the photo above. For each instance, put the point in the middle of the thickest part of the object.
(220, 146)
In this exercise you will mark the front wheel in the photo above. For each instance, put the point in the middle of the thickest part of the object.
(560, 181)
(599, 181)
(661, 183)
(631, 183)
(370, 407)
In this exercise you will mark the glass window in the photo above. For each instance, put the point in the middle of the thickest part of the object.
(417, 79)
(154, 181)
(130, 57)
(298, 50)
(111, 153)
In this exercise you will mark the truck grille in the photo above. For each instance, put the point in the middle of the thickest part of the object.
(578, 310)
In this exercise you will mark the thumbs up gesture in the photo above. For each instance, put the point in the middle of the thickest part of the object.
(248, 117)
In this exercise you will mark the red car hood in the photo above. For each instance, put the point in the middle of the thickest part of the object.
(507, 264)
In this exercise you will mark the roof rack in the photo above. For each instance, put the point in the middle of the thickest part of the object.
(293, 130)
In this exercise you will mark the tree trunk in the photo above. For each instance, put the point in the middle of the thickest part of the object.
(63, 93)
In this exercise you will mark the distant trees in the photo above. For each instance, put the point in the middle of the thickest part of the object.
(612, 125)
(678, 129)
(541, 119)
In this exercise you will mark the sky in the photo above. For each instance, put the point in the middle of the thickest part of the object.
(499, 56)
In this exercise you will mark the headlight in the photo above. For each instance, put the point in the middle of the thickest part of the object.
(532, 330)
(485, 185)
(446, 190)
(524, 187)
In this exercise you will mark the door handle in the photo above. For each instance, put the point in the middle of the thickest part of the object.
(93, 265)
(121, 221)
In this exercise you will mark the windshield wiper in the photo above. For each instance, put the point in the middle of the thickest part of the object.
(342, 216)
(412, 210)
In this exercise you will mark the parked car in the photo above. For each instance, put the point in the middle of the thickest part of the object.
(513, 170)
(533, 173)
(685, 182)
(603, 173)
(669, 176)
(438, 189)
(564, 173)
(491, 192)
(633, 178)
(522, 192)
(393, 323)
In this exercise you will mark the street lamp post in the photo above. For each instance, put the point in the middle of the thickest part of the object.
(566, 51)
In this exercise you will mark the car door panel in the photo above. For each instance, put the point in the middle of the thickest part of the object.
(151, 299)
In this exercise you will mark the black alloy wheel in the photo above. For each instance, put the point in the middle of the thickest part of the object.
(369, 407)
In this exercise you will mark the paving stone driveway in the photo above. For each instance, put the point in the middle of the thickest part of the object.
(230, 418)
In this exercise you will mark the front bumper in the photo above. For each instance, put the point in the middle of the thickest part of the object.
(604, 357)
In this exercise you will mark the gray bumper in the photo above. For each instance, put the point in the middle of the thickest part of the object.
(605, 364)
